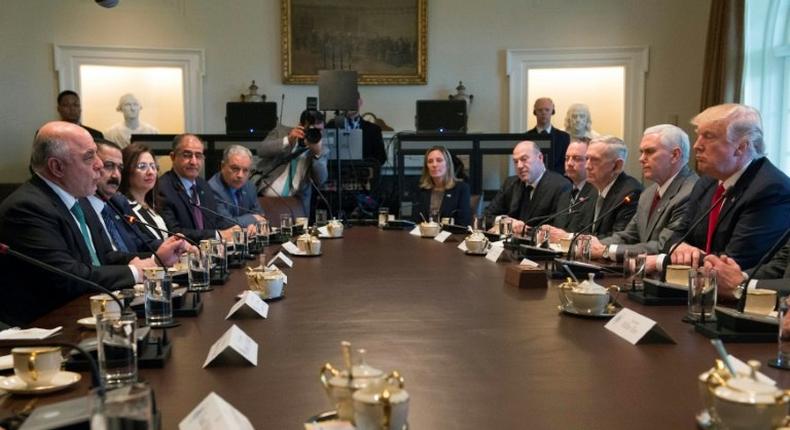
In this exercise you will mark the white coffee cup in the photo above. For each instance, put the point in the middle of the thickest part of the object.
(103, 303)
(36, 366)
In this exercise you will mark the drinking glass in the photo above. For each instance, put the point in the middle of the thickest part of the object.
(581, 248)
(127, 407)
(702, 294)
(634, 267)
(263, 233)
(321, 216)
(158, 298)
(783, 353)
(198, 271)
(286, 226)
(117, 348)
(506, 227)
(384, 213)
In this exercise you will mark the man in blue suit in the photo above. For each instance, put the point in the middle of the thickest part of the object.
(235, 194)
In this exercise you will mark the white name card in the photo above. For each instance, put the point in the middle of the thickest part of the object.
(237, 341)
(281, 257)
(494, 253)
(292, 249)
(323, 231)
(214, 412)
(415, 231)
(636, 328)
(462, 246)
(441, 237)
(528, 263)
(252, 301)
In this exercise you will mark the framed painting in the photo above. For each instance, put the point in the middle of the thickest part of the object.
(385, 41)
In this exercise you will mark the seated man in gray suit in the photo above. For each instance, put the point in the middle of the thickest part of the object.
(296, 159)
(235, 194)
(533, 193)
(664, 157)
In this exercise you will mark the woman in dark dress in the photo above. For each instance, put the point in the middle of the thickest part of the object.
(439, 192)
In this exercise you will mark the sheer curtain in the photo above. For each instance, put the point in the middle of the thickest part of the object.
(766, 79)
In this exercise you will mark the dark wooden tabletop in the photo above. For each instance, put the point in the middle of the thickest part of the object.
(476, 354)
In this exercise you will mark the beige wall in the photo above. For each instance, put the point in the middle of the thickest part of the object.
(466, 41)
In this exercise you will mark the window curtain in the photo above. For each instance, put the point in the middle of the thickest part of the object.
(722, 77)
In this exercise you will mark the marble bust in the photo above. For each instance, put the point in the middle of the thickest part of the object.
(121, 133)
(578, 122)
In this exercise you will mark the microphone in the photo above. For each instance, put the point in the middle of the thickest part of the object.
(111, 205)
(190, 202)
(547, 218)
(778, 244)
(131, 219)
(249, 211)
(694, 225)
(627, 199)
(320, 194)
(6, 250)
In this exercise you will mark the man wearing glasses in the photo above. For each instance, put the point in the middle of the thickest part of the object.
(187, 204)
(236, 195)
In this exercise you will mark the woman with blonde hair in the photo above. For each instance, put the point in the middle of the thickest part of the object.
(439, 192)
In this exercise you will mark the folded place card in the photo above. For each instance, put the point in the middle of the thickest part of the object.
(292, 249)
(494, 253)
(528, 263)
(462, 246)
(441, 237)
(214, 412)
(323, 232)
(281, 257)
(234, 342)
(415, 231)
(16, 333)
(252, 301)
(636, 328)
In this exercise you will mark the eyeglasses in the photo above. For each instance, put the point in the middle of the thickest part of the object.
(186, 155)
(109, 166)
(146, 166)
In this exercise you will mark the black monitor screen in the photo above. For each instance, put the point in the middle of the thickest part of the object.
(252, 118)
(441, 115)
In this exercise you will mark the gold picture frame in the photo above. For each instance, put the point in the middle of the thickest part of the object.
(385, 41)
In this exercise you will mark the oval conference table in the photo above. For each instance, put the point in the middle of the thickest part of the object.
(475, 353)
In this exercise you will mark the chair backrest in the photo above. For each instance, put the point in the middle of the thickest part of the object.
(273, 207)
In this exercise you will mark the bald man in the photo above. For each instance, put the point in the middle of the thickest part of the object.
(544, 130)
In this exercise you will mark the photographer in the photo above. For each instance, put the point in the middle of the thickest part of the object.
(293, 158)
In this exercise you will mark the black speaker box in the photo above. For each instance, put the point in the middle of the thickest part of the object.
(250, 119)
(441, 116)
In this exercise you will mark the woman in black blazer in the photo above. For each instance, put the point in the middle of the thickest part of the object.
(439, 190)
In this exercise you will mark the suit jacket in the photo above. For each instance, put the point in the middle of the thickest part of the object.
(545, 198)
(136, 240)
(619, 219)
(176, 209)
(272, 155)
(559, 145)
(751, 219)
(35, 222)
(775, 274)
(644, 234)
(248, 199)
(579, 217)
(455, 204)
(372, 140)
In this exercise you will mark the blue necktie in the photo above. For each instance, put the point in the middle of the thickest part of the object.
(112, 229)
(77, 211)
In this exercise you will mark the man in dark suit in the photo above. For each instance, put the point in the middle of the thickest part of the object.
(748, 196)
(70, 110)
(48, 219)
(544, 130)
(580, 195)
(664, 157)
(606, 157)
(773, 275)
(531, 194)
(372, 140)
(235, 194)
(186, 201)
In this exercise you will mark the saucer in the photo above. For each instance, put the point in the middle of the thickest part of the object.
(87, 322)
(468, 252)
(63, 379)
(306, 255)
(264, 298)
(570, 310)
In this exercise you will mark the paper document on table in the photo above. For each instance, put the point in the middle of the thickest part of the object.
(236, 340)
(214, 412)
(15, 333)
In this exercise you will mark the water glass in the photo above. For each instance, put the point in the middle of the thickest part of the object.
(240, 242)
(783, 353)
(263, 233)
(634, 267)
(542, 235)
(384, 214)
(158, 298)
(506, 227)
(286, 226)
(130, 406)
(198, 271)
(321, 217)
(117, 348)
(702, 294)
(582, 248)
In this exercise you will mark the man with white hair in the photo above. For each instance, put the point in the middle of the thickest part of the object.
(532, 193)
(748, 197)
(122, 132)
(606, 157)
(235, 194)
(664, 154)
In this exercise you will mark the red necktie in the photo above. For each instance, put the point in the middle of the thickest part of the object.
(713, 218)
(654, 205)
